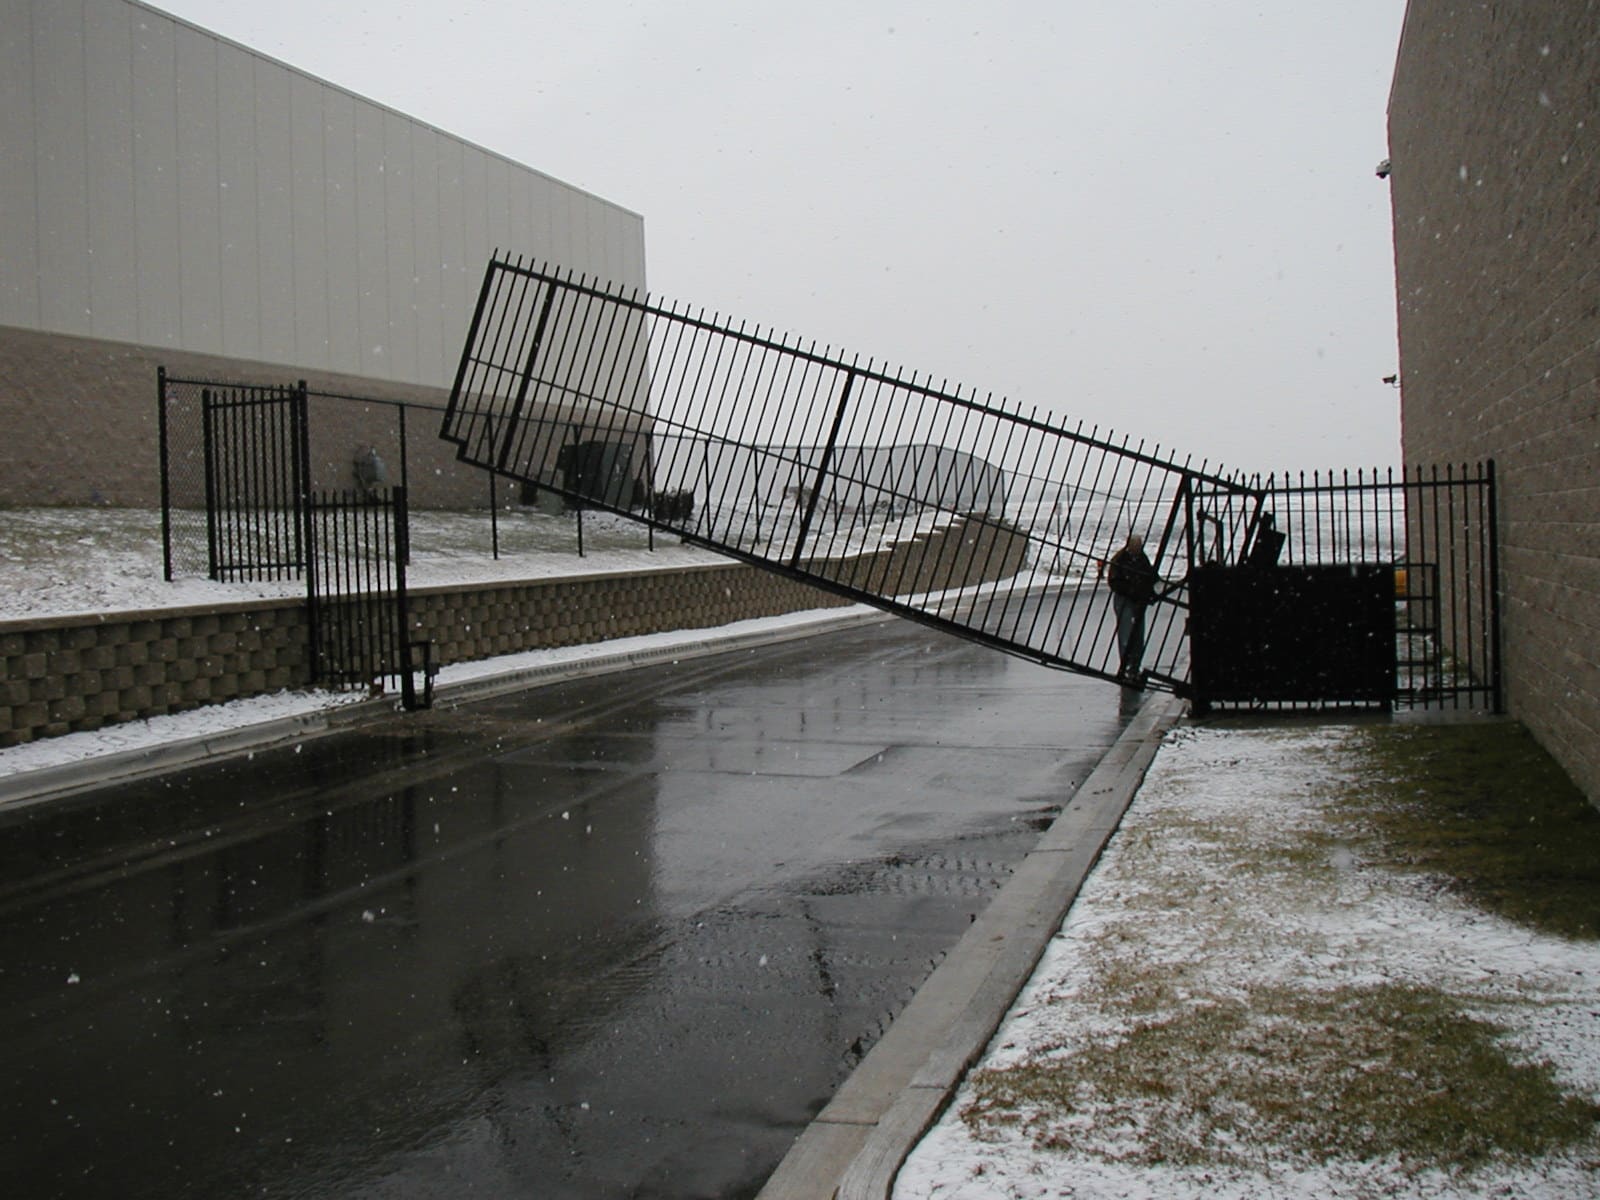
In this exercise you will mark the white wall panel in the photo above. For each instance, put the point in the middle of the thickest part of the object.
(199, 214)
(271, 269)
(155, 178)
(458, 281)
(108, 117)
(161, 185)
(245, 206)
(307, 181)
(61, 159)
(19, 213)
(399, 357)
(426, 295)
(372, 256)
(344, 292)
(475, 243)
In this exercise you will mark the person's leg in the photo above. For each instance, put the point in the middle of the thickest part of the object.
(1135, 654)
(1126, 612)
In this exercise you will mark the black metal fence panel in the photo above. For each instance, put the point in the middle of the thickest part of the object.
(239, 501)
(859, 478)
(234, 472)
(1433, 531)
(356, 591)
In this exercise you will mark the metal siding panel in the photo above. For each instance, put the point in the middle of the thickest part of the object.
(497, 203)
(308, 187)
(239, 218)
(471, 215)
(113, 266)
(633, 253)
(344, 286)
(274, 200)
(432, 355)
(155, 177)
(372, 257)
(458, 279)
(616, 224)
(19, 213)
(574, 236)
(594, 223)
(399, 357)
(199, 215)
(543, 192)
(62, 165)
(519, 211)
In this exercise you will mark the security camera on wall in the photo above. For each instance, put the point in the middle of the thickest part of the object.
(1383, 169)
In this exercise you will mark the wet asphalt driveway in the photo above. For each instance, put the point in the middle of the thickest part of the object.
(620, 936)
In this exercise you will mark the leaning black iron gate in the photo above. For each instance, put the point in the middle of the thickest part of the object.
(358, 610)
(944, 507)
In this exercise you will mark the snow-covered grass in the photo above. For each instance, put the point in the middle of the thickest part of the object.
(1255, 995)
(61, 561)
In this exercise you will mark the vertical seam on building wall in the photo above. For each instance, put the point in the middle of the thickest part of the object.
(88, 166)
(38, 205)
(326, 354)
(216, 160)
(133, 173)
(260, 259)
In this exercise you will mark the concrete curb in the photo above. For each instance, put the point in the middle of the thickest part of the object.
(854, 1148)
(126, 766)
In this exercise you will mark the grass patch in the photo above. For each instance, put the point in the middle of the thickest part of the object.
(1354, 1074)
(1485, 807)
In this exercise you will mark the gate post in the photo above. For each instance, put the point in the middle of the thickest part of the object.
(166, 477)
(305, 523)
(1494, 588)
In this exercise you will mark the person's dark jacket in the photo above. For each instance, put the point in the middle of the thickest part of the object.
(1130, 575)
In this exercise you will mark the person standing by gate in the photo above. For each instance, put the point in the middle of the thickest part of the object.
(1132, 580)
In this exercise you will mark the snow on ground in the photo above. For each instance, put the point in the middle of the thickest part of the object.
(71, 561)
(63, 561)
(1232, 879)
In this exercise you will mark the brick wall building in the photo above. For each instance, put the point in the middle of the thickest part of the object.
(1494, 134)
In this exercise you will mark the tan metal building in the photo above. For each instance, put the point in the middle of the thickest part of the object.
(170, 197)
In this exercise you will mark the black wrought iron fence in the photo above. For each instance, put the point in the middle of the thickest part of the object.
(235, 467)
(1433, 530)
(938, 504)
(239, 501)
(357, 606)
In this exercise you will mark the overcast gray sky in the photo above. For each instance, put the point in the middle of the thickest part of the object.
(1161, 217)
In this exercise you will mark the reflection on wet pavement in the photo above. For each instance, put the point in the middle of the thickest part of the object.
(620, 936)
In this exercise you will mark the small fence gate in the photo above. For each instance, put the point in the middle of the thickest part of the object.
(237, 504)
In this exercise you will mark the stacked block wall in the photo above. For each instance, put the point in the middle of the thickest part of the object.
(80, 673)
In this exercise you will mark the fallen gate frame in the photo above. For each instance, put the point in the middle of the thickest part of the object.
(553, 351)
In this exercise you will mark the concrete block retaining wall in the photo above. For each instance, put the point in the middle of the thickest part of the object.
(66, 674)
